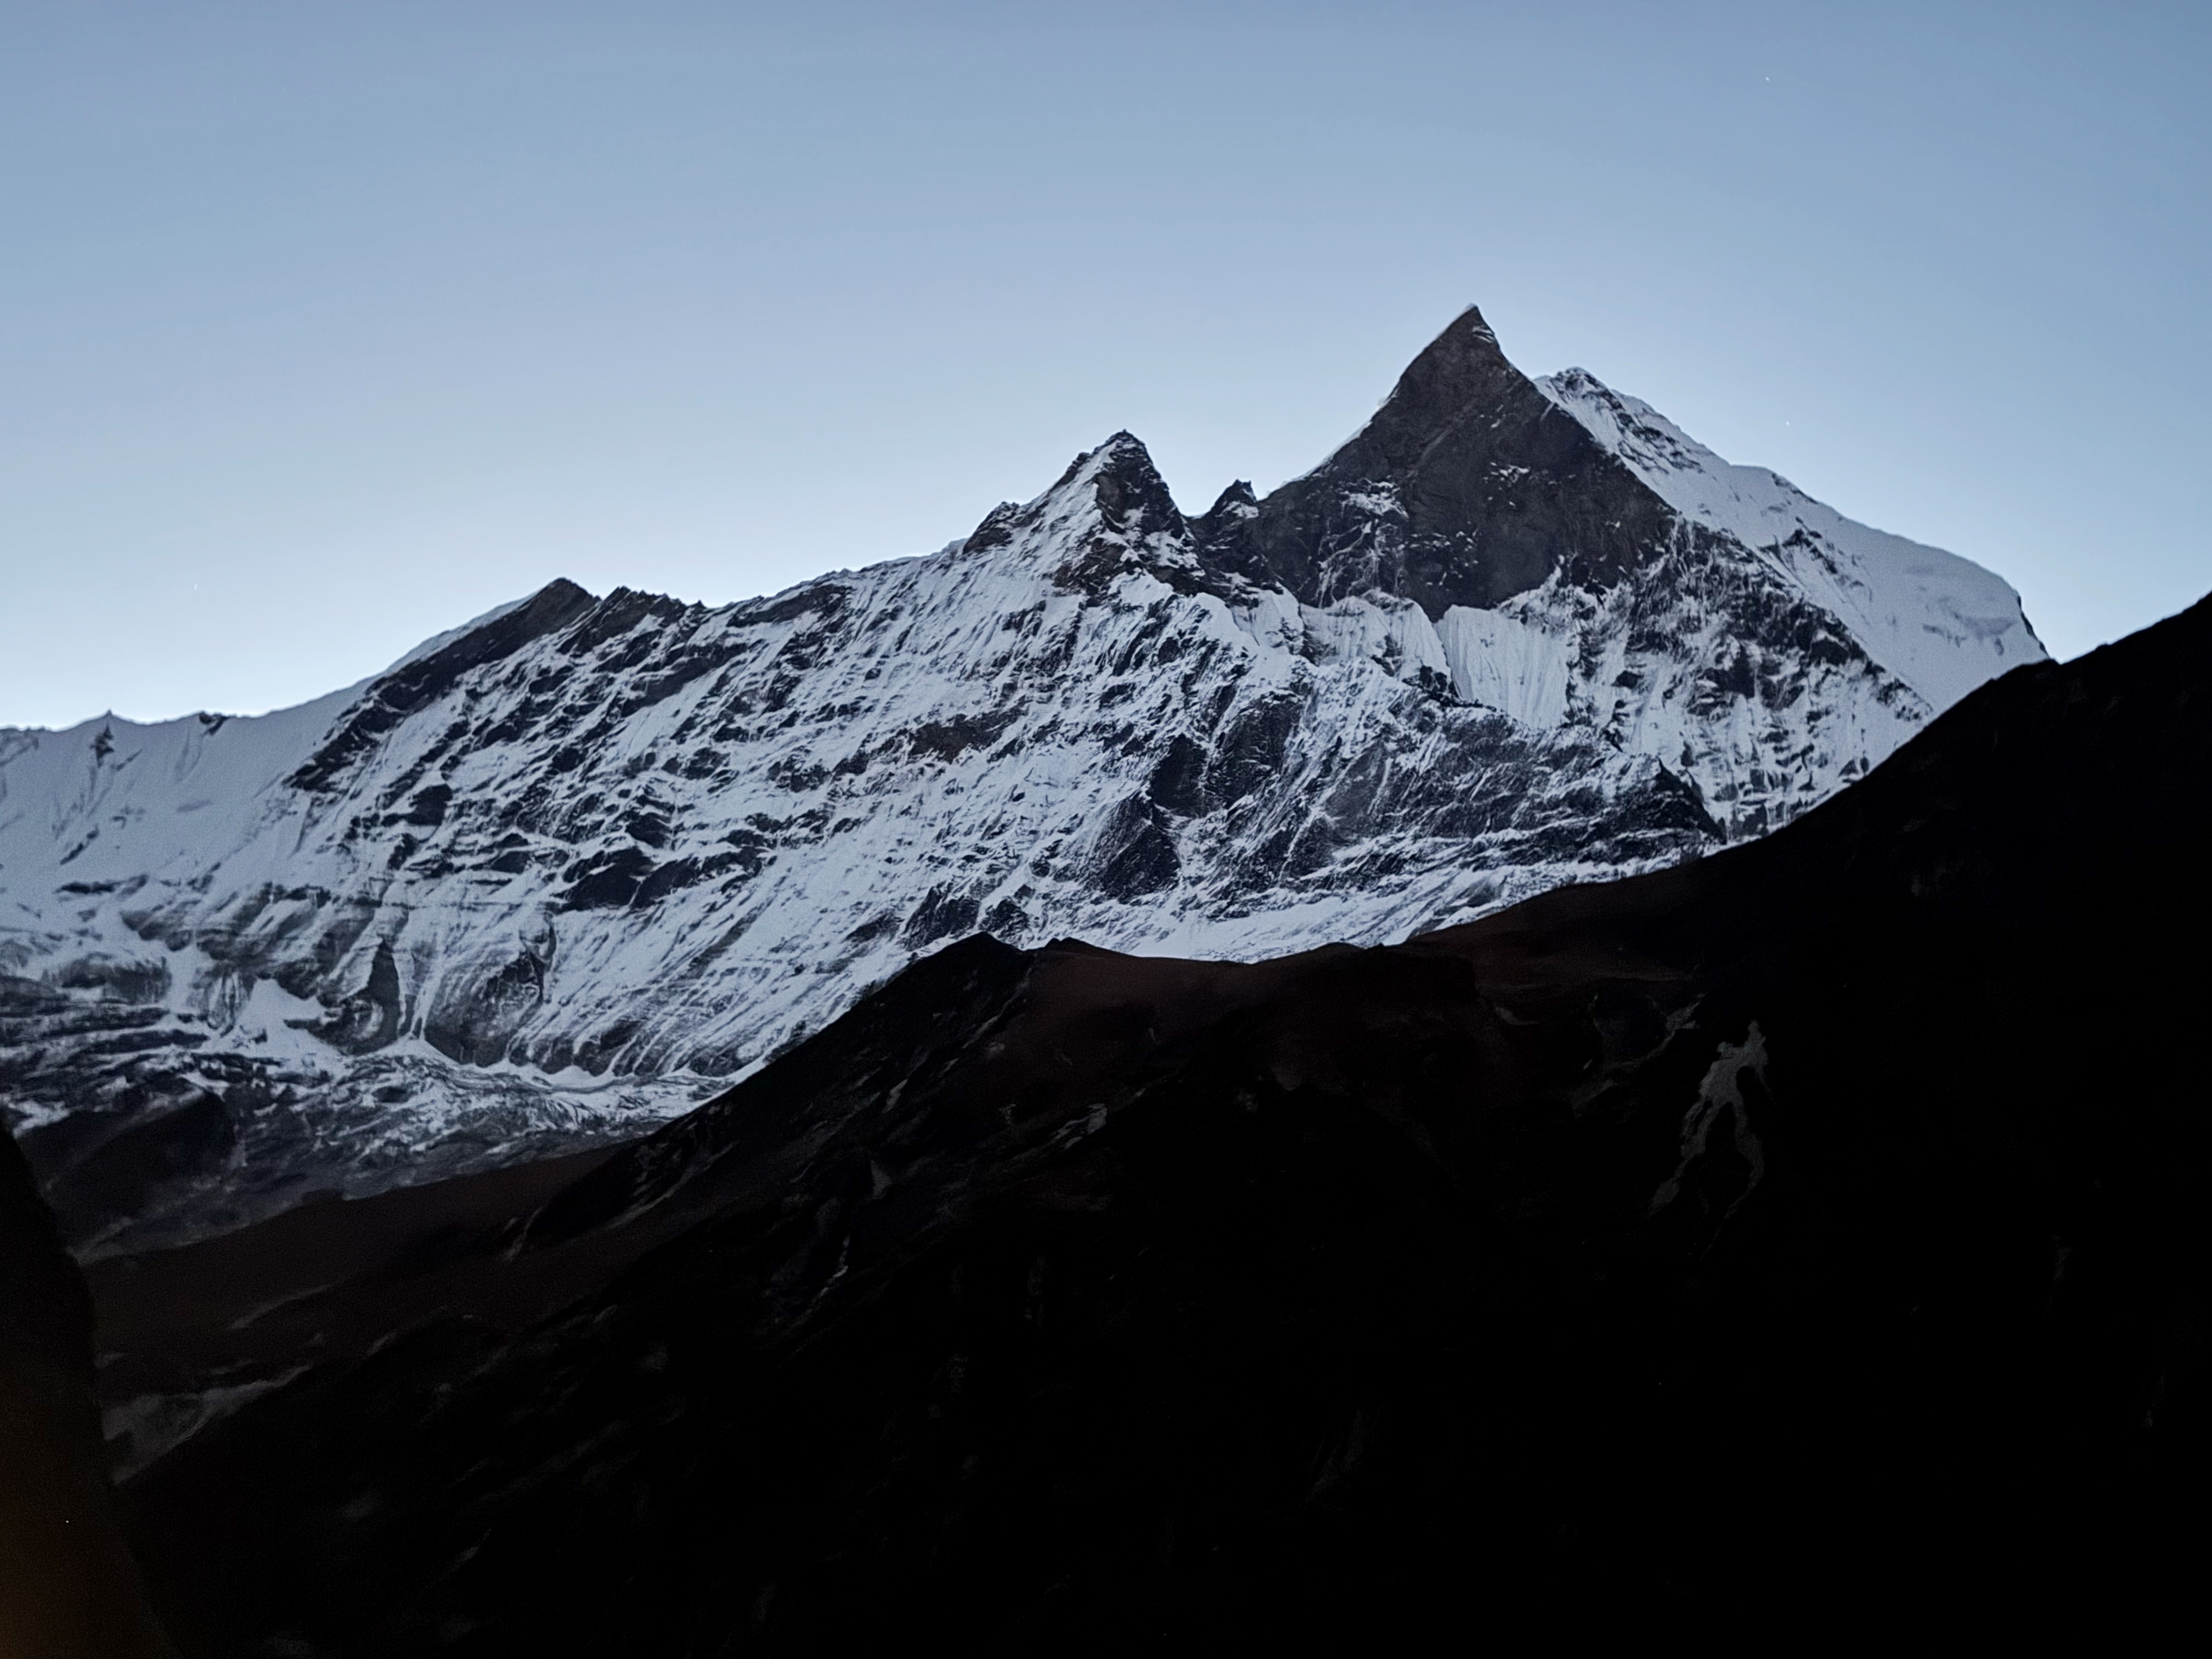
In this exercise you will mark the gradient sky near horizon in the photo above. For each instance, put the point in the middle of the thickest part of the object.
(325, 327)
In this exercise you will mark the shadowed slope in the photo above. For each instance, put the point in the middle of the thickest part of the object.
(1813, 1231)
(68, 1589)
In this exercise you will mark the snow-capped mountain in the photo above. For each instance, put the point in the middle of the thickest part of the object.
(558, 875)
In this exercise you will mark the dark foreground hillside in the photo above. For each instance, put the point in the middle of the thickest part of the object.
(68, 1586)
(1814, 1233)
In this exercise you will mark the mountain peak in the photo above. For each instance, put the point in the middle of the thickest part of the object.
(1463, 368)
(1132, 496)
(1236, 502)
(1468, 487)
(561, 593)
(1116, 480)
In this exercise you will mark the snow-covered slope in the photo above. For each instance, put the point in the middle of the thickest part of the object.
(563, 872)
(1941, 623)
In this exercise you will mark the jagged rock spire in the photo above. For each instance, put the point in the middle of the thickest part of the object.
(1117, 479)
(1132, 495)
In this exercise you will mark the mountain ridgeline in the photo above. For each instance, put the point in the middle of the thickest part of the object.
(557, 877)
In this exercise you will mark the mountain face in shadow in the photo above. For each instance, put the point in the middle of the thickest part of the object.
(1810, 1233)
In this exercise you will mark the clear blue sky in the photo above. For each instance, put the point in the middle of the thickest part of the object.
(325, 326)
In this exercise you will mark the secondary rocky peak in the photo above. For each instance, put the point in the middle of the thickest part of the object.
(559, 592)
(1222, 525)
(1132, 495)
(1117, 482)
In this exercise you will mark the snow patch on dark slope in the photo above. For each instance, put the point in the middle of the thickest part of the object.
(558, 875)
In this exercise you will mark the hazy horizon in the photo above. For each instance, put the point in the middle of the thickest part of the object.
(325, 332)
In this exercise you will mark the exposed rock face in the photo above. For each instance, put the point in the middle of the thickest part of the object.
(567, 871)
(1469, 487)
(1810, 1233)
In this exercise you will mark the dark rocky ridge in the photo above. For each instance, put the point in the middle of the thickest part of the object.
(1807, 1234)
(554, 607)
